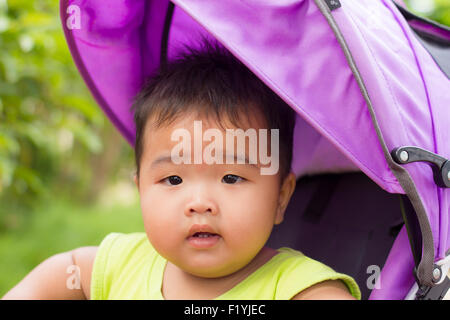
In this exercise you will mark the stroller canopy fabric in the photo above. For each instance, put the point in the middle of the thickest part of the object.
(359, 79)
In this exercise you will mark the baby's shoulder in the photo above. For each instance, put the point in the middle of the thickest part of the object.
(303, 277)
(83, 258)
(119, 240)
(326, 290)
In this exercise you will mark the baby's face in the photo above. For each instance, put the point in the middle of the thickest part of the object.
(210, 220)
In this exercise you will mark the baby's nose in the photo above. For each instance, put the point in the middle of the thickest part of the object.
(201, 204)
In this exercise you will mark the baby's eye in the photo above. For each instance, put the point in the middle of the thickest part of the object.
(173, 180)
(231, 179)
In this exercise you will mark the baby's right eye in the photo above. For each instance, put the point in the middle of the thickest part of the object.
(173, 180)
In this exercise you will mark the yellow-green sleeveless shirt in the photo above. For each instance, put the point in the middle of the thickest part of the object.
(128, 267)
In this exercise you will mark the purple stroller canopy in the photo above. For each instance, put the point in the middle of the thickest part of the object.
(359, 79)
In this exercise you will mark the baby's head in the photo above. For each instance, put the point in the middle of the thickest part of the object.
(203, 209)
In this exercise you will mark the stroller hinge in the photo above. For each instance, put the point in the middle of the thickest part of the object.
(333, 4)
(437, 292)
(440, 165)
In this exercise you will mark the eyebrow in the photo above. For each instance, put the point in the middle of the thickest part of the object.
(160, 160)
(168, 159)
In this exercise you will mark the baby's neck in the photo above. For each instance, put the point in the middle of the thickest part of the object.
(178, 284)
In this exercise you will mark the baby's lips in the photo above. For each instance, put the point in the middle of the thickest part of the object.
(205, 228)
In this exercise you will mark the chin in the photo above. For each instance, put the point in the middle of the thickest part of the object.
(207, 274)
(210, 271)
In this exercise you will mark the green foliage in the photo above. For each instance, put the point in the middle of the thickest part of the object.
(437, 10)
(47, 115)
(57, 227)
(54, 142)
(441, 13)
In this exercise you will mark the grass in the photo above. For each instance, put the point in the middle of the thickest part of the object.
(57, 227)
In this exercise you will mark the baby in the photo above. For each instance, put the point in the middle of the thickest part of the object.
(209, 200)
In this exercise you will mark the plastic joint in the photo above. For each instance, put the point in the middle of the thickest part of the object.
(440, 165)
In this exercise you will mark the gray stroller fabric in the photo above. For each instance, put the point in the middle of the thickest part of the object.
(345, 221)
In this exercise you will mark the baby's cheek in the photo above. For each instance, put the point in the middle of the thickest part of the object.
(156, 215)
(162, 232)
(153, 204)
(250, 226)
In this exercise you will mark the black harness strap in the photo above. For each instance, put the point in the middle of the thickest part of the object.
(412, 227)
(321, 198)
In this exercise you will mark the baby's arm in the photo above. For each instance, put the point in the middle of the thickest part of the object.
(64, 276)
(326, 290)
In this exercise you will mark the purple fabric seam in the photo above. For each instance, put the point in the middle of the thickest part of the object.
(422, 77)
(382, 73)
(93, 45)
(350, 15)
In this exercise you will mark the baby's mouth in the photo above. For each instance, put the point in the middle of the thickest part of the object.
(203, 240)
(201, 231)
(204, 235)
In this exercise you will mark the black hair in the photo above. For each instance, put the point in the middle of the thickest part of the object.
(209, 80)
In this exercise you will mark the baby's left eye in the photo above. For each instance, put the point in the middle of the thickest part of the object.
(231, 179)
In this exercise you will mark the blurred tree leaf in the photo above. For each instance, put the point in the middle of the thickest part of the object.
(46, 110)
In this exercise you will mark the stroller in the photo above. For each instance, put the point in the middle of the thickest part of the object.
(370, 84)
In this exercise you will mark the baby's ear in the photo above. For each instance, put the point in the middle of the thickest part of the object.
(286, 191)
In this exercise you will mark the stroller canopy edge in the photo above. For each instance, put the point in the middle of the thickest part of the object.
(431, 196)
